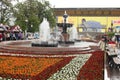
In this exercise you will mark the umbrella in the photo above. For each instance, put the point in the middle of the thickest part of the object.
(16, 28)
(93, 25)
(3, 28)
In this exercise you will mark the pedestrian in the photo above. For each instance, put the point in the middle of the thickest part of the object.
(117, 40)
(0, 37)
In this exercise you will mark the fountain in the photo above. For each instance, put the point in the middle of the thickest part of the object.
(44, 31)
(73, 34)
(45, 47)
(47, 44)
(45, 37)
(64, 26)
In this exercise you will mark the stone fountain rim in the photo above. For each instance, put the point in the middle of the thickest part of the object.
(10, 43)
(7, 47)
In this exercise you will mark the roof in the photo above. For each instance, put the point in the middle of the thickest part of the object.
(88, 11)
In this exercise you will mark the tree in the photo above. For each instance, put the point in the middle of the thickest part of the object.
(48, 12)
(33, 11)
(6, 8)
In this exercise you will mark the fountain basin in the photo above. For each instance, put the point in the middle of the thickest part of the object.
(24, 47)
(66, 42)
(44, 44)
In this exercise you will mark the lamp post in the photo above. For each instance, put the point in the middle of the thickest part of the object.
(105, 40)
(65, 20)
(26, 28)
(111, 26)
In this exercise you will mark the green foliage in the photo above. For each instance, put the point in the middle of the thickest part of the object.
(33, 11)
(6, 8)
(110, 34)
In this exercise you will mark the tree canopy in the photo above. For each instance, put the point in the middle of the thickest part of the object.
(6, 9)
(29, 14)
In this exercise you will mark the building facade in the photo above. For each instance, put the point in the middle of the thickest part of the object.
(108, 17)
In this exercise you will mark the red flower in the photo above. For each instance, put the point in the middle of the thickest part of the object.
(93, 68)
(111, 42)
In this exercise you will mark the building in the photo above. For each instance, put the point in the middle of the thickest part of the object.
(108, 17)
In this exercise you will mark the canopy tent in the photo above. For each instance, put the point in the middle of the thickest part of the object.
(16, 29)
(93, 25)
(9, 29)
(3, 28)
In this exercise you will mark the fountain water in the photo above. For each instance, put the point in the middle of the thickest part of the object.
(21, 48)
(73, 34)
(44, 30)
(45, 37)
(66, 35)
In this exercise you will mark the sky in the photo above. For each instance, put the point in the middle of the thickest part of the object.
(85, 3)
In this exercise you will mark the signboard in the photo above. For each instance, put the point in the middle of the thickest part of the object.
(116, 21)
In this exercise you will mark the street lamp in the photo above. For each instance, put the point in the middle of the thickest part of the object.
(65, 21)
(111, 26)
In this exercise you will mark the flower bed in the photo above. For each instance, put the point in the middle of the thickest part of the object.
(93, 68)
(30, 68)
(41, 68)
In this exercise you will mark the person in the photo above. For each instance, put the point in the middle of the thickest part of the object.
(11, 35)
(111, 45)
(4, 36)
(14, 37)
(0, 37)
(36, 35)
(19, 35)
(117, 39)
(7, 36)
(103, 42)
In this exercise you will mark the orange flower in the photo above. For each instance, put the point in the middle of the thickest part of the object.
(26, 66)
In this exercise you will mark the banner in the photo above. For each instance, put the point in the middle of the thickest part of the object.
(116, 21)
